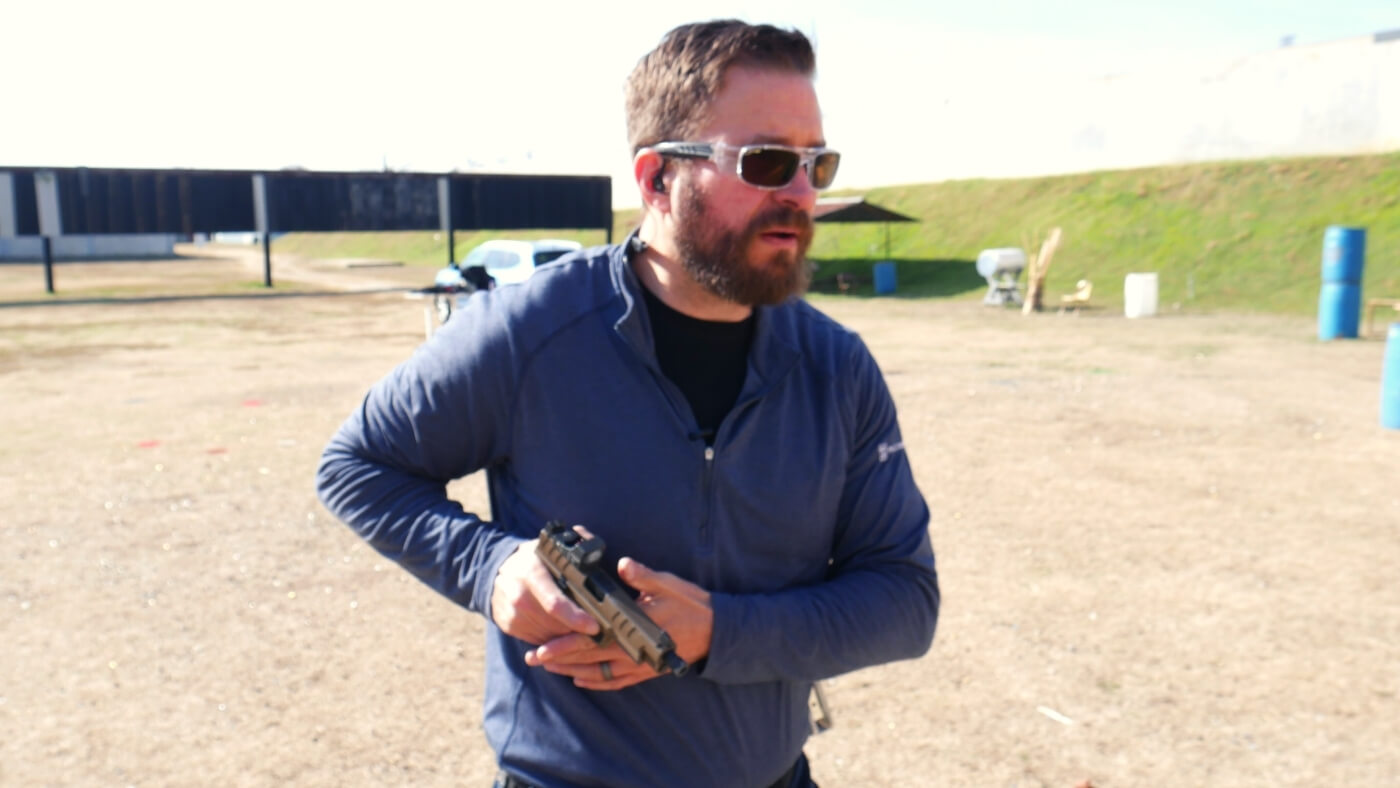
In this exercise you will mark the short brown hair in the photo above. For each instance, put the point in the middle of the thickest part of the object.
(669, 92)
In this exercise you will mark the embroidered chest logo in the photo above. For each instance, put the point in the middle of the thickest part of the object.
(887, 450)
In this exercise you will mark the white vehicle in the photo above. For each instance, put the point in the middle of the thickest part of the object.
(494, 263)
(509, 262)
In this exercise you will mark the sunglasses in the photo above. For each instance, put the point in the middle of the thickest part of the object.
(764, 166)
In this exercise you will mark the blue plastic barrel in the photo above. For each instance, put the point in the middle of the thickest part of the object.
(1343, 254)
(884, 278)
(1343, 262)
(1338, 310)
(1390, 380)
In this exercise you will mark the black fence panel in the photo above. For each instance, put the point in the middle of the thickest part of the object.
(143, 203)
(112, 201)
(72, 202)
(217, 202)
(26, 204)
(518, 202)
(99, 202)
(328, 202)
(169, 212)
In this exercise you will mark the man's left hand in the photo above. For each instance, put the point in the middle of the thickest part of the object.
(677, 606)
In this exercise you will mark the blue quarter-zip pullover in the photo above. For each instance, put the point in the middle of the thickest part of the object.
(802, 519)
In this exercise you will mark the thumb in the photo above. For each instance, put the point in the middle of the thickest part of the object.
(649, 581)
(642, 577)
(556, 604)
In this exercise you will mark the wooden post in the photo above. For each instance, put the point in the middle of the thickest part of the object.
(1035, 281)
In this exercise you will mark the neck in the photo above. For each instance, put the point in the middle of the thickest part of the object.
(660, 271)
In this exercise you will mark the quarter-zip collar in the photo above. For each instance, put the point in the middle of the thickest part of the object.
(774, 350)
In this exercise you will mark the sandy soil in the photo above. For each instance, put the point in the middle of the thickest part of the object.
(1168, 550)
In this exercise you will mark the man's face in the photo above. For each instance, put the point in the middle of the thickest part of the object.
(745, 244)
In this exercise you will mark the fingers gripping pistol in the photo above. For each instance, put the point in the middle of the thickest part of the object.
(577, 566)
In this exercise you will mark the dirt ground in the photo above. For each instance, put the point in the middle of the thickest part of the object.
(1168, 550)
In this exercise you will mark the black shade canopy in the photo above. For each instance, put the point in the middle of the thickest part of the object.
(855, 209)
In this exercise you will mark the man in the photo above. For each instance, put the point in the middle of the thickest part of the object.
(738, 450)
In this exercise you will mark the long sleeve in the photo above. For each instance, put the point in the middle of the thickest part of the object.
(442, 414)
(880, 600)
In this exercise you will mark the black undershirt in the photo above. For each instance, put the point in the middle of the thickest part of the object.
(706, 359)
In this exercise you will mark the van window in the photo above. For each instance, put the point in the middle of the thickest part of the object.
(543, 257)
(497, 259)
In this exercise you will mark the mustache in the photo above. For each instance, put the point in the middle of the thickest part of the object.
(783, 216)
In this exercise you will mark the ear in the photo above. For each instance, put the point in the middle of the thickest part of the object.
(649, 171)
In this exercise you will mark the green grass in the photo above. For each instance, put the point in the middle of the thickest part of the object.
(1239, 236)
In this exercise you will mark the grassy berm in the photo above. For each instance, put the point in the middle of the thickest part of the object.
(1234, 236)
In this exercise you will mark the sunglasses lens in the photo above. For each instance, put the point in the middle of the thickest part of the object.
(770, 167)
(824, 170)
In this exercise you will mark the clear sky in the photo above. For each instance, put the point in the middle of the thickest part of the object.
(537, 86)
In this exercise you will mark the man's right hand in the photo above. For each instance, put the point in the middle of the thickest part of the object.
(526, 603)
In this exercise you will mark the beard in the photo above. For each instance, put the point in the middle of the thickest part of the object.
(719, 259)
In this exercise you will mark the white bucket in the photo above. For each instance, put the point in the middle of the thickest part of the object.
(1140, 295)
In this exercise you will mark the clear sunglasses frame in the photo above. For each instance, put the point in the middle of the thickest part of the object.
(718, 152)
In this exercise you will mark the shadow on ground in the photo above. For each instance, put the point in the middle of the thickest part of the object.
(913, 278)
(159, 299)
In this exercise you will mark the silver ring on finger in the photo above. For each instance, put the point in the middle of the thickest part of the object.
(607, 670)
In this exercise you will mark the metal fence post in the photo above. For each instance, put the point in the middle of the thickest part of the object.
(47, 244)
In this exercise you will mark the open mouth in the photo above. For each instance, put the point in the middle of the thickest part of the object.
(779, 236)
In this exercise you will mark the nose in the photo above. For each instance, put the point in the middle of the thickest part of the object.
(799, 192)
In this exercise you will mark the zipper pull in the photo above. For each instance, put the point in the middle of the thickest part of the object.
(709, 454)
